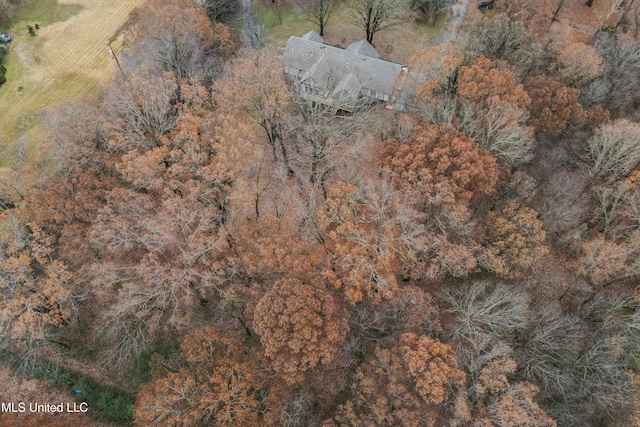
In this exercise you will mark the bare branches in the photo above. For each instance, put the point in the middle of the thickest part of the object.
(486, 312)
(320, 12)
(373, 16)
(140, 111)
(432, 8)
(613, 152)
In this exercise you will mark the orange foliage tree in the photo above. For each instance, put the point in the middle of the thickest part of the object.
(217, 386)
(402, 385)
(482, 101)
(35, 287)
(438, 172)
(365, 240)
(300, 325)
(554, 106)
(516, 239)
(482, 82)
(438, 157)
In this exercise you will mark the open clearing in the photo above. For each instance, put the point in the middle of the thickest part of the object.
(67, 60)
(282, 20)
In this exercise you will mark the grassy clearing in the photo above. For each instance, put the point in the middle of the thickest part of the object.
(67, 60)
(108, 404)
(283, 20)
(45, 12)
(431, 32)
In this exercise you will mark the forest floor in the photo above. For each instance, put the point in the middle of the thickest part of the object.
(66, 60)
(16, 388)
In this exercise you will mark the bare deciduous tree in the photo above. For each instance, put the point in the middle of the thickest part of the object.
(502, 39)
(613, 152)
(139, 112)
(320, 12)
(432, 8)
(376, 15)
(550, 346)
(486, 312)
(621, 66)
(221, 10)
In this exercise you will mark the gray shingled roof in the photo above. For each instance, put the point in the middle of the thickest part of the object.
(313, 36)
(339, 73)
(363, 47)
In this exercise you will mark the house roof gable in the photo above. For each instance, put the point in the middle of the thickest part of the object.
(313, 36)
(363, 47)
(339, 68)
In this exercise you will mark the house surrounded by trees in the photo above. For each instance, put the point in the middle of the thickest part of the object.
(339, 77)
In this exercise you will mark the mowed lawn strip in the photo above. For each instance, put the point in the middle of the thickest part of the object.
(67, 60)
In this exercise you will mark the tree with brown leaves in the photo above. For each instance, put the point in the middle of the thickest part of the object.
(35, 287)
(216, 387)
(438, 171)
(365, 244)
(300, 326)
(403, 385)
(483, 81)
(553, 105)
(442, 157)
(482, 101)
(516, 239)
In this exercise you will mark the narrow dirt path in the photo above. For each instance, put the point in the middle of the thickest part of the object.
(249, 28)
(451, 28)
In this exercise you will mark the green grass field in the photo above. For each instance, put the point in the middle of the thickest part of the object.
(281, 20)
(46, 12)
